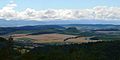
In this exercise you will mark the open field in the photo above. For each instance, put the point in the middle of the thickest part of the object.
(54, 38)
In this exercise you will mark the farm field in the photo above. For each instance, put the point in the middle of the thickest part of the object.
(53, 38)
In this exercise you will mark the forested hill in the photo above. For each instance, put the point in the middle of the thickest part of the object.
(7, 30)
(87, 51)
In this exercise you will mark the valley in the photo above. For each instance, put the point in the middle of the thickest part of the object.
(66, 42)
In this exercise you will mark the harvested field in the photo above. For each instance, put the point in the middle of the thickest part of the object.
(52, 38)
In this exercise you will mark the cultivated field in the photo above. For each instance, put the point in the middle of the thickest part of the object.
(55, 38)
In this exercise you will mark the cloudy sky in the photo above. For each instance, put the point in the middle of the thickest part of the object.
(42, 10)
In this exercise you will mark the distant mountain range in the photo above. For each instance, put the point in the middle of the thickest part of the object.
(14, 23)
(12, 27)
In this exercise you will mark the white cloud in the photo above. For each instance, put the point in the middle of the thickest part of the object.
(97, 13)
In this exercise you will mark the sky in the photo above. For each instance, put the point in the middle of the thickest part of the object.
(41, 10)
(60, 4)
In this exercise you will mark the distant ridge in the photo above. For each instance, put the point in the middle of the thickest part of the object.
(16, 23)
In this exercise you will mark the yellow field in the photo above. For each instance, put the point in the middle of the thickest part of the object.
(52, 38)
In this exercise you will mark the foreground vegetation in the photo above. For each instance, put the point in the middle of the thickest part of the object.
(90, 51)
(109, 50)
